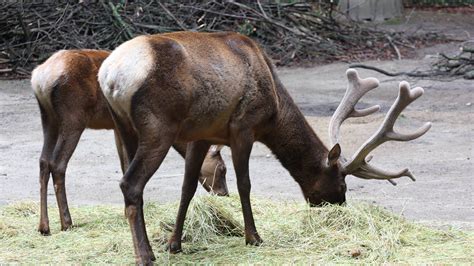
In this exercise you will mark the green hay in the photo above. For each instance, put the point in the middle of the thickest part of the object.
(292, 233)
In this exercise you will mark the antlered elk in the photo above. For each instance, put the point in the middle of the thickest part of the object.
(70, 100)
(221, 88)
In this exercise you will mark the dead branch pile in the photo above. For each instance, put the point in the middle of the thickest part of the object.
(460, 65)
(292, 33)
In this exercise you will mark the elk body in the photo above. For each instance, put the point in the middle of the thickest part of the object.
(70, 101)
(214, 88)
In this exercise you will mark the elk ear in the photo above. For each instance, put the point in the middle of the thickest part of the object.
(334, 154)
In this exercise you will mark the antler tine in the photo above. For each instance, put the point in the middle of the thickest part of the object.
(358, 165)
(367, 171)
(356, 88)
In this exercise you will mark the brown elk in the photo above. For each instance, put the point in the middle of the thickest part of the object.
(221, 88)
(70, 100)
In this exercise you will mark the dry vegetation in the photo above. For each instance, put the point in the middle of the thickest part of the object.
(293, 233)
(460, 65)
(291, 32)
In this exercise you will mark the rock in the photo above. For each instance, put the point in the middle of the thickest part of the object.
(454, 63)
(469, 75)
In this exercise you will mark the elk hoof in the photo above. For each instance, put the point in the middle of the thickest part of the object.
(44, 229)
(253, 239)
(66, 226)
(144, 260)
(174, 247)
(151, 255)
(145, 256)
(66, 222)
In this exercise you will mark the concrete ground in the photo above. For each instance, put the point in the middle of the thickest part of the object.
(441, 160)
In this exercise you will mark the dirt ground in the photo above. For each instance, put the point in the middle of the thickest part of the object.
(441, 160)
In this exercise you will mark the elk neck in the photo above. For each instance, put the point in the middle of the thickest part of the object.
(294, 142)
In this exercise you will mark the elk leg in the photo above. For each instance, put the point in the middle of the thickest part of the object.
(149, 156)
(50, 134)
(121, 152)
(213, 165)
(126, 135)
(196, 152)
(65, 146)
(142, 167)
(180, 148)
(241, 146)
(126, 140)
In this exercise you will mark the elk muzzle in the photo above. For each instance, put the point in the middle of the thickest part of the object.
(213, 173)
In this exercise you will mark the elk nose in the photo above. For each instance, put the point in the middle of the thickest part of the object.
(221, 192)
(221, 187)
(342, 201)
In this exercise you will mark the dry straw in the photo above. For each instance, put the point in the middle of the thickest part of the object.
(292, 233)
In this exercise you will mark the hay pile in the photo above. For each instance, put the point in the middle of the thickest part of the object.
(293, 233)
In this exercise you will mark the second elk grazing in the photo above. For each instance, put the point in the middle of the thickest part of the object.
(70, 101)
(221, 88)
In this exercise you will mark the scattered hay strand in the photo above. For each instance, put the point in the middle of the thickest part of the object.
(292, 233)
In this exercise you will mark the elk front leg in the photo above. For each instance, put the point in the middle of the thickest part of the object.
(213, 171)
(50, 134)
(65, 146)
(195, 154)
(241, 146)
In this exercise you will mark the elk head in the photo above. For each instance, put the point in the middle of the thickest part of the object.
(330, 185)
(213, 172)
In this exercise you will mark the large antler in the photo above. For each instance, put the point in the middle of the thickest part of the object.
(356, 88)
(358, 165)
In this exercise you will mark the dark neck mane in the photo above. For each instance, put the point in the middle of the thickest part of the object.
(294, 142)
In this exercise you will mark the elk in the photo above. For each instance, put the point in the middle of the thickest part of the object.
(221, 88)
(70, 100)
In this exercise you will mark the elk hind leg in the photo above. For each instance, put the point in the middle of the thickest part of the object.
(50, 135)
(213, 171)
(126, 140)
(152, 149)
(122, 152)
(66, 144)
(195, 154)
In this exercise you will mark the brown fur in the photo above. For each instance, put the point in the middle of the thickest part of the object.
(213, 88)
(75, 102)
